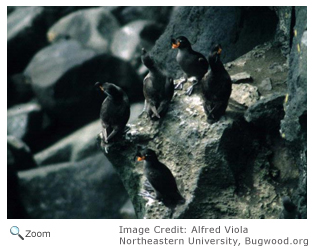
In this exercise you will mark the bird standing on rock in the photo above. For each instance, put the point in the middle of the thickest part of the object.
(160, 178)
(216, 87)
(193, 63)
(115, 110)
(157, 88)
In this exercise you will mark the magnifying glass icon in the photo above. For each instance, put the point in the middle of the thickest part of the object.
(15, 231)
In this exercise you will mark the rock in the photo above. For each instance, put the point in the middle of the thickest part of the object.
(89, 189)
(294, 124)
(266, 113)
(64, 84)
(210, 163)
(245, 94)
(265, 85)
(296, 101)
(19, 156)
(127, 211)
(72, 148)
(26, 122)
(80, 144)
(131, 38)
(286, 15)
(238, 29)
(19, 89)
(24, 29)
(242, 77)
(154, 13)
(93, 28)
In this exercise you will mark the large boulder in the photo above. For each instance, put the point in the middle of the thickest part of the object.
(89, 189)
(27, 122)
(238, 29)
(25, 30)
(19, 156)
(131, 38)
(80, 144)
(159, 14)
(63, 77)
(93, 28)
(294, 124)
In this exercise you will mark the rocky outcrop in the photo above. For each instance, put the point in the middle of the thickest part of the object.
(242, 30)
(238, 167)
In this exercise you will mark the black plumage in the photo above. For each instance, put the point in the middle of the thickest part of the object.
(158, 89)
(216, 87)
(290, 210)
(115, 110)
(192, 63)
(161, 179)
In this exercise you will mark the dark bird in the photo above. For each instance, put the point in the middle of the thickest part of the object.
(216, 87)
(157, 88)
(160, 179)
(115, 110)
(290, 210)
(192, 63)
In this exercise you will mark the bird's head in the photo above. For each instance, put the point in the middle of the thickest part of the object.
(111, 90)
(215, 53)
(146, 154)
(180, 43)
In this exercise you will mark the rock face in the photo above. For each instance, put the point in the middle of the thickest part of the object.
(243, 29)
(294, 124)
(88, 189)
(239, 167)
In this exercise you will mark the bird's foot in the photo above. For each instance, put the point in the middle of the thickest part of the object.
(148, 187)
(189, 90)
(146, 194)
(178, 86)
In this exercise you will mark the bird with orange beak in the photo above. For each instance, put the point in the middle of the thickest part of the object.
(115, 110)
(192, 63)
(160, 179)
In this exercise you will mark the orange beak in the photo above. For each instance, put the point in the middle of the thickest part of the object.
(219, 51)
(141, 158)
(174, 46)
(101, 88)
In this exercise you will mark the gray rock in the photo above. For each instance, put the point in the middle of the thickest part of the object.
(93, 28)
(24, 38)
(210, 163)
(294, 124)
(296, 102)
(63, 77)
(242, 77)
(153, 13)
(131, 38)
(72, 148)
(25, 122)
(265, 85)
(89, 189)
(238, 29)
(19, 89)
(128, 211)
(245, 94)
(19, 156)
(267, 113)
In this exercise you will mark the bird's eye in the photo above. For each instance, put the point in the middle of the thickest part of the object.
(180, 40)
